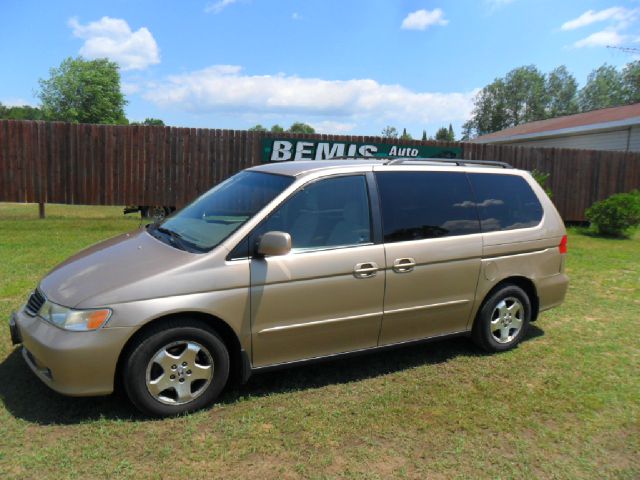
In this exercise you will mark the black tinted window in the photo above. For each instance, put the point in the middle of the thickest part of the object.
(505, 202)
(328, 213)
(419, 205)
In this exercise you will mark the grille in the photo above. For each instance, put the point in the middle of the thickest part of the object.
(35, 302)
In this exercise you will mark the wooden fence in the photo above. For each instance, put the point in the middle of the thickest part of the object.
(56, 162)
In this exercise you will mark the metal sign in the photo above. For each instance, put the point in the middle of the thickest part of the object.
(281, 150)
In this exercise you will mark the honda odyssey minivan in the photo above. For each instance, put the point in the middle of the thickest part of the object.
(293, 262)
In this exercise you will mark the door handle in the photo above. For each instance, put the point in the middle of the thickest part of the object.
(403, 265)
(365, 270)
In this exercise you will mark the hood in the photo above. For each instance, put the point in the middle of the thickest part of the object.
(127, 260)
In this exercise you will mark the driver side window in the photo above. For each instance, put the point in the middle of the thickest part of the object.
(332, 212)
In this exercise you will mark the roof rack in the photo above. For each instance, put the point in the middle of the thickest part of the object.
(425, 161)
(461, 162)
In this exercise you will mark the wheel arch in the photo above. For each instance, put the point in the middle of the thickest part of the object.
(525, 284)
(240, 367)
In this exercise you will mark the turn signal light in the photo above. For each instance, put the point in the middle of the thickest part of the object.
(97, 318)
(563, 245)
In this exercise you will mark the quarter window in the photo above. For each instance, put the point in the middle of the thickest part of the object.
(505, 202)
(417, 205)
(332, 212)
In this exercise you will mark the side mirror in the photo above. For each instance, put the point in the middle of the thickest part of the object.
(274, 243)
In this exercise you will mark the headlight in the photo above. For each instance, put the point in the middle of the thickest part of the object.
(78, 320)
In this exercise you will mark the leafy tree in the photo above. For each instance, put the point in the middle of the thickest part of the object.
(299, 127)
(445, 134)
(258, 128)
(562, 93)
(154, 122)
(604, 88)
(405, 135)
(524, 95)
(389, 132)
(23, 112)
(277, 129)
(83, 91)
(631, 82)
(467, 131)
(489, 111)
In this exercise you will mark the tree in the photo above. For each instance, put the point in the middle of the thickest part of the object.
(562, 93)
(389, 132)
(277, 129)
(258, 128)
(424, 136)
(445, 134)
(23, 112)
(524, 95)
(405, 135)
(83, 91)
(299, 127)
(631, 82)
(604, 88)
(154, 122)
(489, 111)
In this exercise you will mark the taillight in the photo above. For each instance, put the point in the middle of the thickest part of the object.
(563, 244)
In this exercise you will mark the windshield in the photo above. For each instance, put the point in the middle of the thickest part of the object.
(215, 215)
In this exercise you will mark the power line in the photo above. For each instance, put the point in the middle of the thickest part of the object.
(625, 49)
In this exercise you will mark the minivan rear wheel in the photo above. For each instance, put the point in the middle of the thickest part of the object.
(503, 320)
(176, 368)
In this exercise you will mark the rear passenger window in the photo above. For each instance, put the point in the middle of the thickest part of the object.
(505, 202)
(417, 205)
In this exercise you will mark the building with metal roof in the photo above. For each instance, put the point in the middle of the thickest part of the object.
(615, 128)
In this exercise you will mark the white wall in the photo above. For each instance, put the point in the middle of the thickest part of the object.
(611, 140)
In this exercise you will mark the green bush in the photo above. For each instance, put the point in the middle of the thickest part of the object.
(615, 215)
(542, 178)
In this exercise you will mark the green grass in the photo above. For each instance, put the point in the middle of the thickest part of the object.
(565, 404)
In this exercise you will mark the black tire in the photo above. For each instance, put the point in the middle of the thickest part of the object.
(155, 213)
(485, 334)
(138, 365)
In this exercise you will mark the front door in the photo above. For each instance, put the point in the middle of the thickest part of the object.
(433, 248)
(325, 297)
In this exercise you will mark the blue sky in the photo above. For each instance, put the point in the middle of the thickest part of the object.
(344, 66)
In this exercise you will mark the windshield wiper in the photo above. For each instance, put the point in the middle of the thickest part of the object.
(178, 240)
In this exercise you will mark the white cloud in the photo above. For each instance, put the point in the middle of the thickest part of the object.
(591, 16)
(495, 4)
(618, 20)
(217, 7)
(295, 16)
(113, 38)
(601, 39)
(421, 19)
(224, 88)
(332, 127)
(17, 102)
(129, 88)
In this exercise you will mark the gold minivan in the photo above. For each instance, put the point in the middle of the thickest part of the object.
(294, 262)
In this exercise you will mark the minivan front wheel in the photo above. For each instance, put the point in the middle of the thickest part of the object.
(503, 319)
(176, 369)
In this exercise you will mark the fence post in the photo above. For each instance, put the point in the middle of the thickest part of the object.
(41, 209)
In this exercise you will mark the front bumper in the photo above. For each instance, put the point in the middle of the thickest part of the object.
(71, 363)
